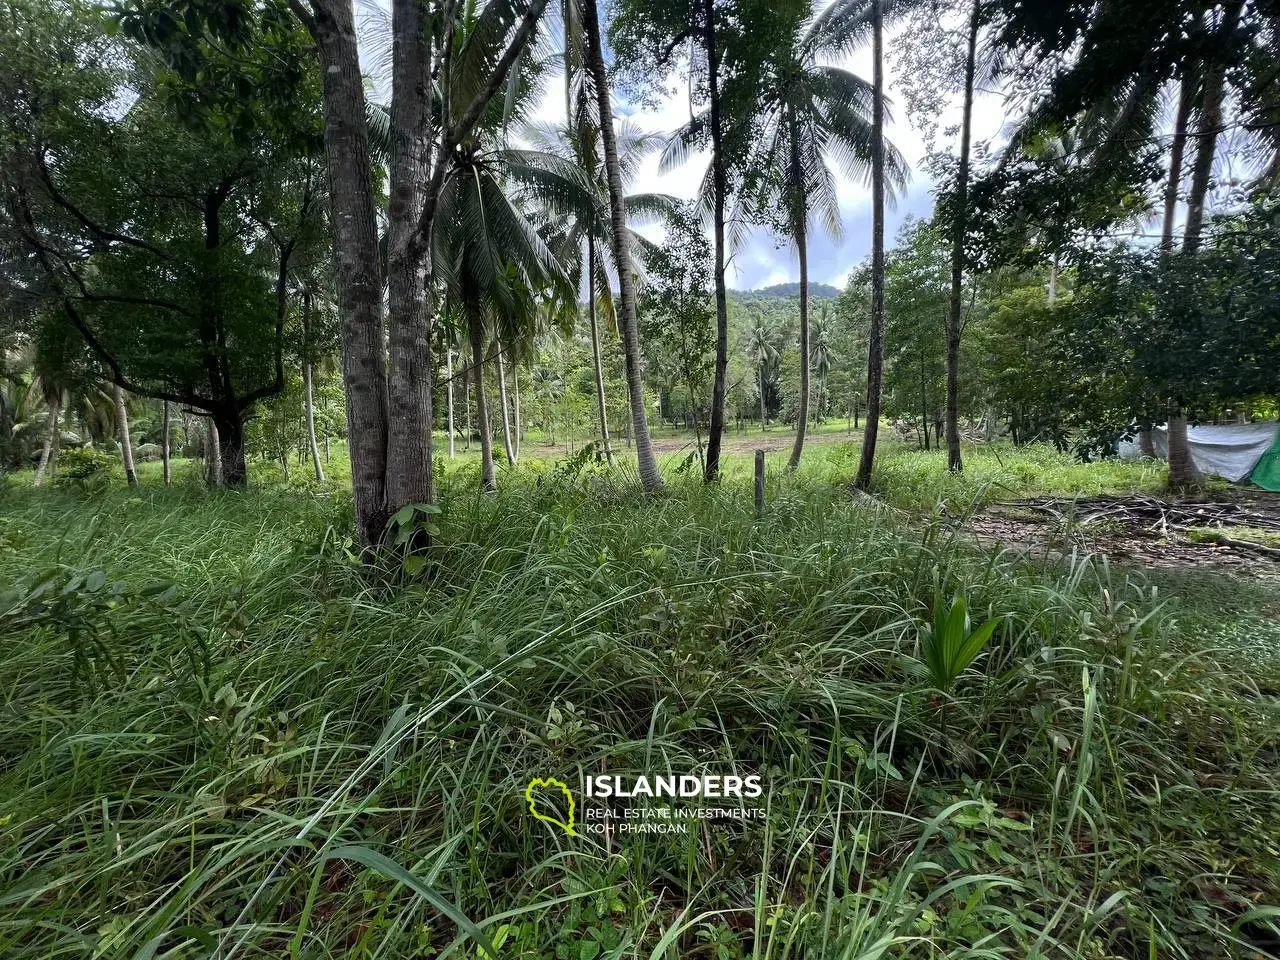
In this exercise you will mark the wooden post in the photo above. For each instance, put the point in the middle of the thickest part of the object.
(759, 482)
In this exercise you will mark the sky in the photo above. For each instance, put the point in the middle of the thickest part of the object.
(764, 259)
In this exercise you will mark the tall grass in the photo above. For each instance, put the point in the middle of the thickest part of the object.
(222, 736)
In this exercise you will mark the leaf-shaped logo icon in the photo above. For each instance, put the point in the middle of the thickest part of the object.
(550, 784)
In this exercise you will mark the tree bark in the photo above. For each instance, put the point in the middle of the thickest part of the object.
(506, 415)
(958, 229)
(647, 464)
(1177, 149)
(166, 447)
(875, 347)
(800, 218)
(1146, 443)
(126, 443)
(308, 397)
(213, 454)
(448, 372)
(475, 330)
(1183, 473)
(515, 409)
(48, 453)
(1207, 136)
(358, 275)
(763, 422)
(595, 351)
(229, 431)
(466, 402)
(409, 439)
(711, 471)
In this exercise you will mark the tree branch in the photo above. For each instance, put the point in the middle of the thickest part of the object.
(101, 232)
(282, 311)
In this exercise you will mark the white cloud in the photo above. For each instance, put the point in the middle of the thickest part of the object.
(763, 260)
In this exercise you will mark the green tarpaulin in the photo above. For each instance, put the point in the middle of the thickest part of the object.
(1267, 473)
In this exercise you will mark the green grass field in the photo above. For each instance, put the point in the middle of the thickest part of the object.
(222, 736)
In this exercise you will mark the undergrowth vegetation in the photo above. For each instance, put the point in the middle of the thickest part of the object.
(221, 735)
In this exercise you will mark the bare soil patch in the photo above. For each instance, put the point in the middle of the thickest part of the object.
(1239, 534)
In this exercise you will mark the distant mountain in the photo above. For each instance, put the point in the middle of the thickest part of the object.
(783, 291)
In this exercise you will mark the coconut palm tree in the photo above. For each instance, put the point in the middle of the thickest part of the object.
(875, 346)
(647, 463)
(493, 262)
(821, 356)
(810, 120)
(580, 142)
(764, 356)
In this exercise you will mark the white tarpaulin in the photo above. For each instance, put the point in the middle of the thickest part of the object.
(1229, 451)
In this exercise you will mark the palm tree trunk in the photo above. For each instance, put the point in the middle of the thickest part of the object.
(961, 221)
(924, 402)
(213, 454)
(647, 464)
(1053, 277)
(126, 445)
(1183, 472)
(48, 452)
(515, 409)
(466, 403)
(506, 416)
(1177, 149)
(475, 330)
(711, 469)
(875, 348)
(595, 350)
(802, 251)
(358, 271)
(308, 396)
(166, 446)
(1207, 136)
(448, 372)
(763, 421)
(409, 301)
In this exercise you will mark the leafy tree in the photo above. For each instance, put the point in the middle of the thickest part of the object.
(1122, 53)
(1141, 329)
(176, 274)
(677, 309)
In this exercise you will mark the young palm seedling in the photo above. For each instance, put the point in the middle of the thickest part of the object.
(950, 644)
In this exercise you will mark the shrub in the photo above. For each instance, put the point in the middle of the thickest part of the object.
(85, 468)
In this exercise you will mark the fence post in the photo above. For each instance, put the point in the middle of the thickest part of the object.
(759, 482)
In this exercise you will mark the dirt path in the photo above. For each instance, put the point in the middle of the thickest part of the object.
(775, 441)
